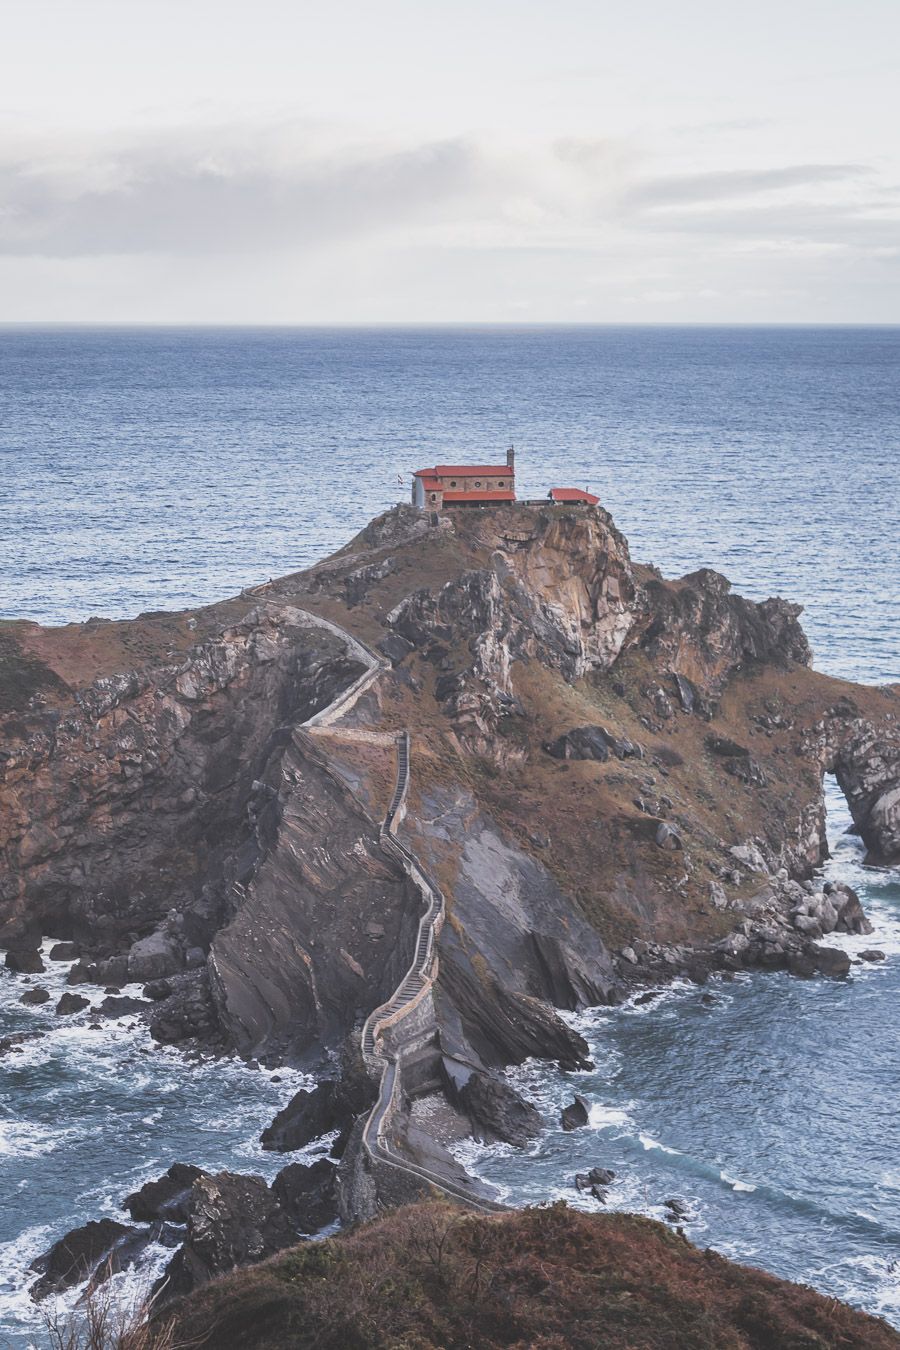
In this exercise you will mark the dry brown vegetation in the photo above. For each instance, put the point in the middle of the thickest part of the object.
(431, 1277)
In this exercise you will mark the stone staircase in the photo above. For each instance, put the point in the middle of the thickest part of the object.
(395, 1018)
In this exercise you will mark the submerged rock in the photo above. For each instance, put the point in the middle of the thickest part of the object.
(18, 1038)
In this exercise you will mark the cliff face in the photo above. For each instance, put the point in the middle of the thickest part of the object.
(133, 794)
(324, 929)
(602, 760)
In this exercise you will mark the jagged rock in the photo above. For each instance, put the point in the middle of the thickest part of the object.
(866, 762)
(64, 951)
(808, 925)
(121, 1006)
(829, 960)
(394, 647)
(630, 955)
(870, 954)
(726, 748)
(188, 1013)
(687, 691)
(582, 743)
(750, 855)
(677, 1209)
(597, 1176)
(851, 917)
(722, 631)
(112, 971)
(747, 769)
(334, 1104)
(154, 957)
(157, 990)
(308, 1195)
(231, 1221)
(592, 742)
(668, 838)
(718, 898)
(80, 974)
(575, 1115)
(308, 1115)
(33, 997)
(70, 1003)
(25, 961)
(74, 1257)
(497, 1112)
(165, 1198)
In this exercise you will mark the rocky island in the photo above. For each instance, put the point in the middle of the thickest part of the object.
(387, 817)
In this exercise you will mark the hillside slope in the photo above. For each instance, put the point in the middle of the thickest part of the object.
(431, 1278)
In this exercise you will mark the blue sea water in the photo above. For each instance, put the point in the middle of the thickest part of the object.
(148, 469)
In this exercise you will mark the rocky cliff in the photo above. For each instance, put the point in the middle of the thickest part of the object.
(615, 777)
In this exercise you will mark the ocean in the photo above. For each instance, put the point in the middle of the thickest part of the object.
(143, 469)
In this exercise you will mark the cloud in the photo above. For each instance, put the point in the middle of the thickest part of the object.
(724, 185)
(206, 219)
(223, 196)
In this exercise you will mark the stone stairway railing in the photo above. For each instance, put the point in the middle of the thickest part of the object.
(415, 986)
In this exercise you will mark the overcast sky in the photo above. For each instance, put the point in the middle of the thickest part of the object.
(341, 161)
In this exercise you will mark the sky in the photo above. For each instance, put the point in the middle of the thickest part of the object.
(480, 161)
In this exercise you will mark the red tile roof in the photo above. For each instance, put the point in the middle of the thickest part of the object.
(573, 495)
(478, 496)
(432, 484)
(467, 471)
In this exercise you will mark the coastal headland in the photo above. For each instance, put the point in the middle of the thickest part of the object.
(386, 817)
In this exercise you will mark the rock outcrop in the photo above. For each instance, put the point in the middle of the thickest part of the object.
(618, 778)
(231, 1221)
(76, 1256)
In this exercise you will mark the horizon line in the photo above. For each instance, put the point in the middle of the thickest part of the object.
(429, 324)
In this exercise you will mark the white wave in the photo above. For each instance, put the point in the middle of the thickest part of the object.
(649, 1143)
(602, 1117)
(16, 1306)
(27, 1139)
(869, 1280)
(735, 1184)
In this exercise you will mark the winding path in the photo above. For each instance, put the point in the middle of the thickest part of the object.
(394, 1016)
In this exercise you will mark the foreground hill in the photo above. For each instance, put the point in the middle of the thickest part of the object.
(429, 1277)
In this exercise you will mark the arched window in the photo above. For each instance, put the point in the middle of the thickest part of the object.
(434, 496)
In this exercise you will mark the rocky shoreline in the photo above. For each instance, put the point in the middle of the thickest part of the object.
(618, 783)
